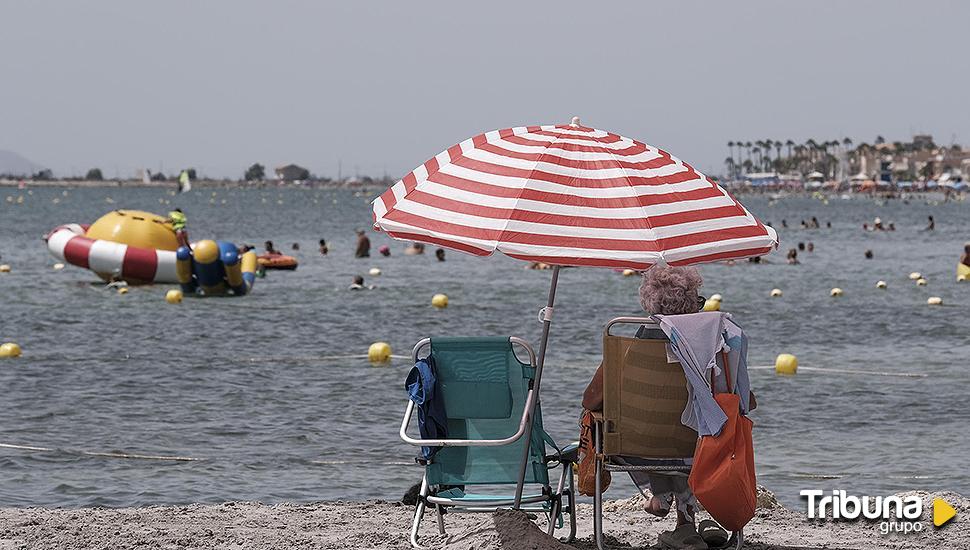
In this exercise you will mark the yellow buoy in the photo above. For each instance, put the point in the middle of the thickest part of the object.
(786, 363)
(881, 284)
(173, 296)
(712, 305)
(4, 268)
(836, 292)
(915, 275)
(775, 292)
(716, 297)
(374, 272)
(58, 266)
(379, 352)
(9, 350)
(934, 301)
(629, 272)
(123, 290)
(921, 282)
(439, 301)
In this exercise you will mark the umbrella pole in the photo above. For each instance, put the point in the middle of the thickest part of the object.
(546, 316)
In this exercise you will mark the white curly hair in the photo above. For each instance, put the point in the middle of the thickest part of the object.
(669, 290)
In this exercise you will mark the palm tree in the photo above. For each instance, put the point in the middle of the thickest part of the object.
(778, 145)
(880, 140)
(789, 144)
(729, 163)
(731, 148)
(757, 151)
(747, 145)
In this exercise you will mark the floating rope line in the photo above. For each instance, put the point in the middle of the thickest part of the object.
(321, 358)
(848, 371)
(106, 455)
(34, 448)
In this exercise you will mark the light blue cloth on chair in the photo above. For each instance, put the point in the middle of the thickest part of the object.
(697, 339)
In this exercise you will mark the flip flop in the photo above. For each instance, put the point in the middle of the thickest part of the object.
(682, 538)
(712, 533)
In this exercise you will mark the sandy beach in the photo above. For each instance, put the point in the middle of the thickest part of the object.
(379, 524)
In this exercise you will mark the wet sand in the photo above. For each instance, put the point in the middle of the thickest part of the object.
(384, 525)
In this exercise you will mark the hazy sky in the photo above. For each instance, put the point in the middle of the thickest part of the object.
(385, 85)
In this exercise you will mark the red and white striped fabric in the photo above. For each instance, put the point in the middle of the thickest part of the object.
(572, 196)
(109, 259)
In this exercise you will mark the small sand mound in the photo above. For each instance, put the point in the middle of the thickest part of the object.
(767, 500)
(505, 530)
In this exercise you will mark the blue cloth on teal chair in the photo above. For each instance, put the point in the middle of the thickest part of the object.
(421, 384)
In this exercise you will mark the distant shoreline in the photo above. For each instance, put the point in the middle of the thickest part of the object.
(207, 183)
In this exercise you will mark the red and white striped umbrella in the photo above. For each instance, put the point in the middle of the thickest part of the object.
(570, 195)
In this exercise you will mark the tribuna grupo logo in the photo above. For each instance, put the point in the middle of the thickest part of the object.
(899, 514)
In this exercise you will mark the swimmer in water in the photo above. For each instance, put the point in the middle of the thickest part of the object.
(965, 258)
(384, 250)
(323, 247)
(792, 256)
(270, 249)
(440, 254)
(358, 284)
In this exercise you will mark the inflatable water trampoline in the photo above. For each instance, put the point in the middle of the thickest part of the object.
(141, 248)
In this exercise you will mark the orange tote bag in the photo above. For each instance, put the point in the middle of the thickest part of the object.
(722, 476)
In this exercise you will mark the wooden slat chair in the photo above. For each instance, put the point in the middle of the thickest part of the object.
(643, 399)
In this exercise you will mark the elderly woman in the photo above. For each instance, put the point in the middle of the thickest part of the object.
(667, 291)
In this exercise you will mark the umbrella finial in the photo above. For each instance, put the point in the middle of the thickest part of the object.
(575, 121)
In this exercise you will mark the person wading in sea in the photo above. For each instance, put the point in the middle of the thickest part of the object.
(179, 222)
(363, 245)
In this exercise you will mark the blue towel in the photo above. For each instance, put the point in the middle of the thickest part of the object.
(697, 340)
(432, 420)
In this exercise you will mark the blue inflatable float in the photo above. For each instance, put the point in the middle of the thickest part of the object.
(215, 268)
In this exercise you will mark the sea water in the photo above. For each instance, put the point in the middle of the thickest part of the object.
(274, 394)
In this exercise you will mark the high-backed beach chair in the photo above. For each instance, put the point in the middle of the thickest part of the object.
(643, 399)
(489, 397)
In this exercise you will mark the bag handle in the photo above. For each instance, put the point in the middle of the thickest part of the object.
(727, 374)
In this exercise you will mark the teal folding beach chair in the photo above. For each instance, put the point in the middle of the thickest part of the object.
(489, 396)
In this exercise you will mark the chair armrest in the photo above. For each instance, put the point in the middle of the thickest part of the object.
(569, 453)
(598, 416)
(523, 422)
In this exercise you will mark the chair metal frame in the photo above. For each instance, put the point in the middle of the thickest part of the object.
(530, 503)
(604, 462)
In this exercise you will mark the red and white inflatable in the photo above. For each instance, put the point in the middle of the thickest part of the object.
(110, 259)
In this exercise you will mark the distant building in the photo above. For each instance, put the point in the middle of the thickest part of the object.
(292, 172)
(918, 160)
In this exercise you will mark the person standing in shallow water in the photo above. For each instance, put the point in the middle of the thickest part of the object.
(179, 223)
(363, 245)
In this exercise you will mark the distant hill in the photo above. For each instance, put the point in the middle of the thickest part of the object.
(13, 164)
